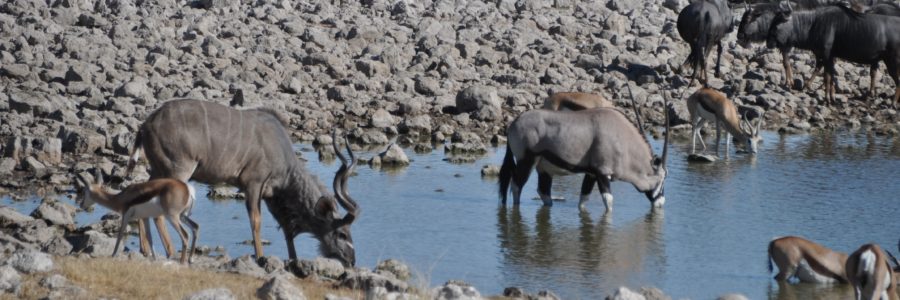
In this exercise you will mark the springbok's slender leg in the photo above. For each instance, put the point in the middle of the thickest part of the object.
(727, 140)
(788, 70)
(586, 186)
(545, 181)
(718, 135)
(698, 124)
(289, 239)
(144, 240)
(253, 200)
(605, 191)
(163, 235)
(149, 237)
(182, 233)
(195, 234)
(121, 235)
(520, 175)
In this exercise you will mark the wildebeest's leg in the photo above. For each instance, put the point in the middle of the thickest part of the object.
(289, 238)
(873, 72)
(605, 191)
(893, 67)
(788, 71)
(253, 200)
(718, 59)
(520, 175)
(545, 181)
(586, 186)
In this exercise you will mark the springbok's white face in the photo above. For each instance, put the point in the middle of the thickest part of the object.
(753, 138)
(84, 199)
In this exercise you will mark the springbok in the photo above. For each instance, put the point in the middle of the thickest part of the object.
(702, 24)
(212, 143)
(837, 31)
(808, 261)
(871, 274)
(166, 197)
(601, 142)
(570, 101)
(707, 105)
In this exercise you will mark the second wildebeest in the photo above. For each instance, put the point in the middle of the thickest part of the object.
(836, 31)
(703, 24)
(757, 19)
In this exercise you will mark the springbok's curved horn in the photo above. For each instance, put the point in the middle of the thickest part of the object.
(98, 176)
(894, 259)
(668, 128)
(81, 180)
(637, 111)
(340, 180)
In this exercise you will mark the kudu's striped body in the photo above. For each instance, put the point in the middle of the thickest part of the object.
(162, 197)
(601, 142)
(707, 105)
(871, 274)
(806, 260)
(251, 149)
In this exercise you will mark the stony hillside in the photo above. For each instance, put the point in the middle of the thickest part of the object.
(78, 76)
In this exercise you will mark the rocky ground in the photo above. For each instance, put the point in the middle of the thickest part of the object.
(77, 77)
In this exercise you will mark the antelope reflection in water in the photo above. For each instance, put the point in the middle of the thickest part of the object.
(589, 254)
(799, 291)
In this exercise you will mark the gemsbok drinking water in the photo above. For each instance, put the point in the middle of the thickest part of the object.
(707, 105)
(212, 143)
(170, 198)
(601, 142)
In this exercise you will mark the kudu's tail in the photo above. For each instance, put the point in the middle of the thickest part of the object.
(506, 173)
(135, 155)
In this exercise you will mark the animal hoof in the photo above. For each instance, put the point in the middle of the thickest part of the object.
(702, 158)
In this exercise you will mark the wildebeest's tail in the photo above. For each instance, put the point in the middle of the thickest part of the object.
(506, 173)
(135, 155)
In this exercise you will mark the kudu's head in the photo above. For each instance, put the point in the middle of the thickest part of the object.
(336, 241)
(656, 194)
(84, 199)
(779, 30)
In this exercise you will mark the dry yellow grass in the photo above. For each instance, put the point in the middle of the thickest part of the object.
(125, 279)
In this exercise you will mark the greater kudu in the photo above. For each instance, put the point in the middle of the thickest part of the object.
(601, 142)
(198, 140)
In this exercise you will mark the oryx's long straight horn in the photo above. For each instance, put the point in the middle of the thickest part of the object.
(668, 128)
(637, 111)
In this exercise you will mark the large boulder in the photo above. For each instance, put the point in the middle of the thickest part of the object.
(10, 279)
(455, 290)
(56, 213)
(29, 262)
(93, 243)
(244, 265)
(46, 150)
(9, 217)
(365, 280)
(393, 156)
(475, 98)
(394, 267)
(79, 141)
(280, 288)
(211, 294)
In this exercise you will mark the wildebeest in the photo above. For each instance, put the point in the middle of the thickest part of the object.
(702, 24)
(601, 142)
(212, 143)
(757, 20)
(836, 31)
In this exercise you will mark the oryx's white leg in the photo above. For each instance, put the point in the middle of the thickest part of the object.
(605, 192)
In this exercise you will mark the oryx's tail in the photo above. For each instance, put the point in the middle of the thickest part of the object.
(506, 172)
(769, 256)
(135, 152)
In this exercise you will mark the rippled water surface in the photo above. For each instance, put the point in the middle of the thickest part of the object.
(444, 220)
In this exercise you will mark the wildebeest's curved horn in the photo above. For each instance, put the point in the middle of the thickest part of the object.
(665, 150)
(340, 179)
(637, 111)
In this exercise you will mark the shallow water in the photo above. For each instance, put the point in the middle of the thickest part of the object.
(444, 220)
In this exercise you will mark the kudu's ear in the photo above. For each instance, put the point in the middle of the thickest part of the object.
(325, 206)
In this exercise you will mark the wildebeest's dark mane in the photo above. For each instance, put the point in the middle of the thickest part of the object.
(846, 8)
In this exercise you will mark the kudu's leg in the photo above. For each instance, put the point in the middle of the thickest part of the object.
(289, 239)
(253, 200)
(586, 186)
(605, 191)
(545, 181)
(520, 176)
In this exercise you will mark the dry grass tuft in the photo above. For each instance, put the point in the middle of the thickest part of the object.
(126, 279)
